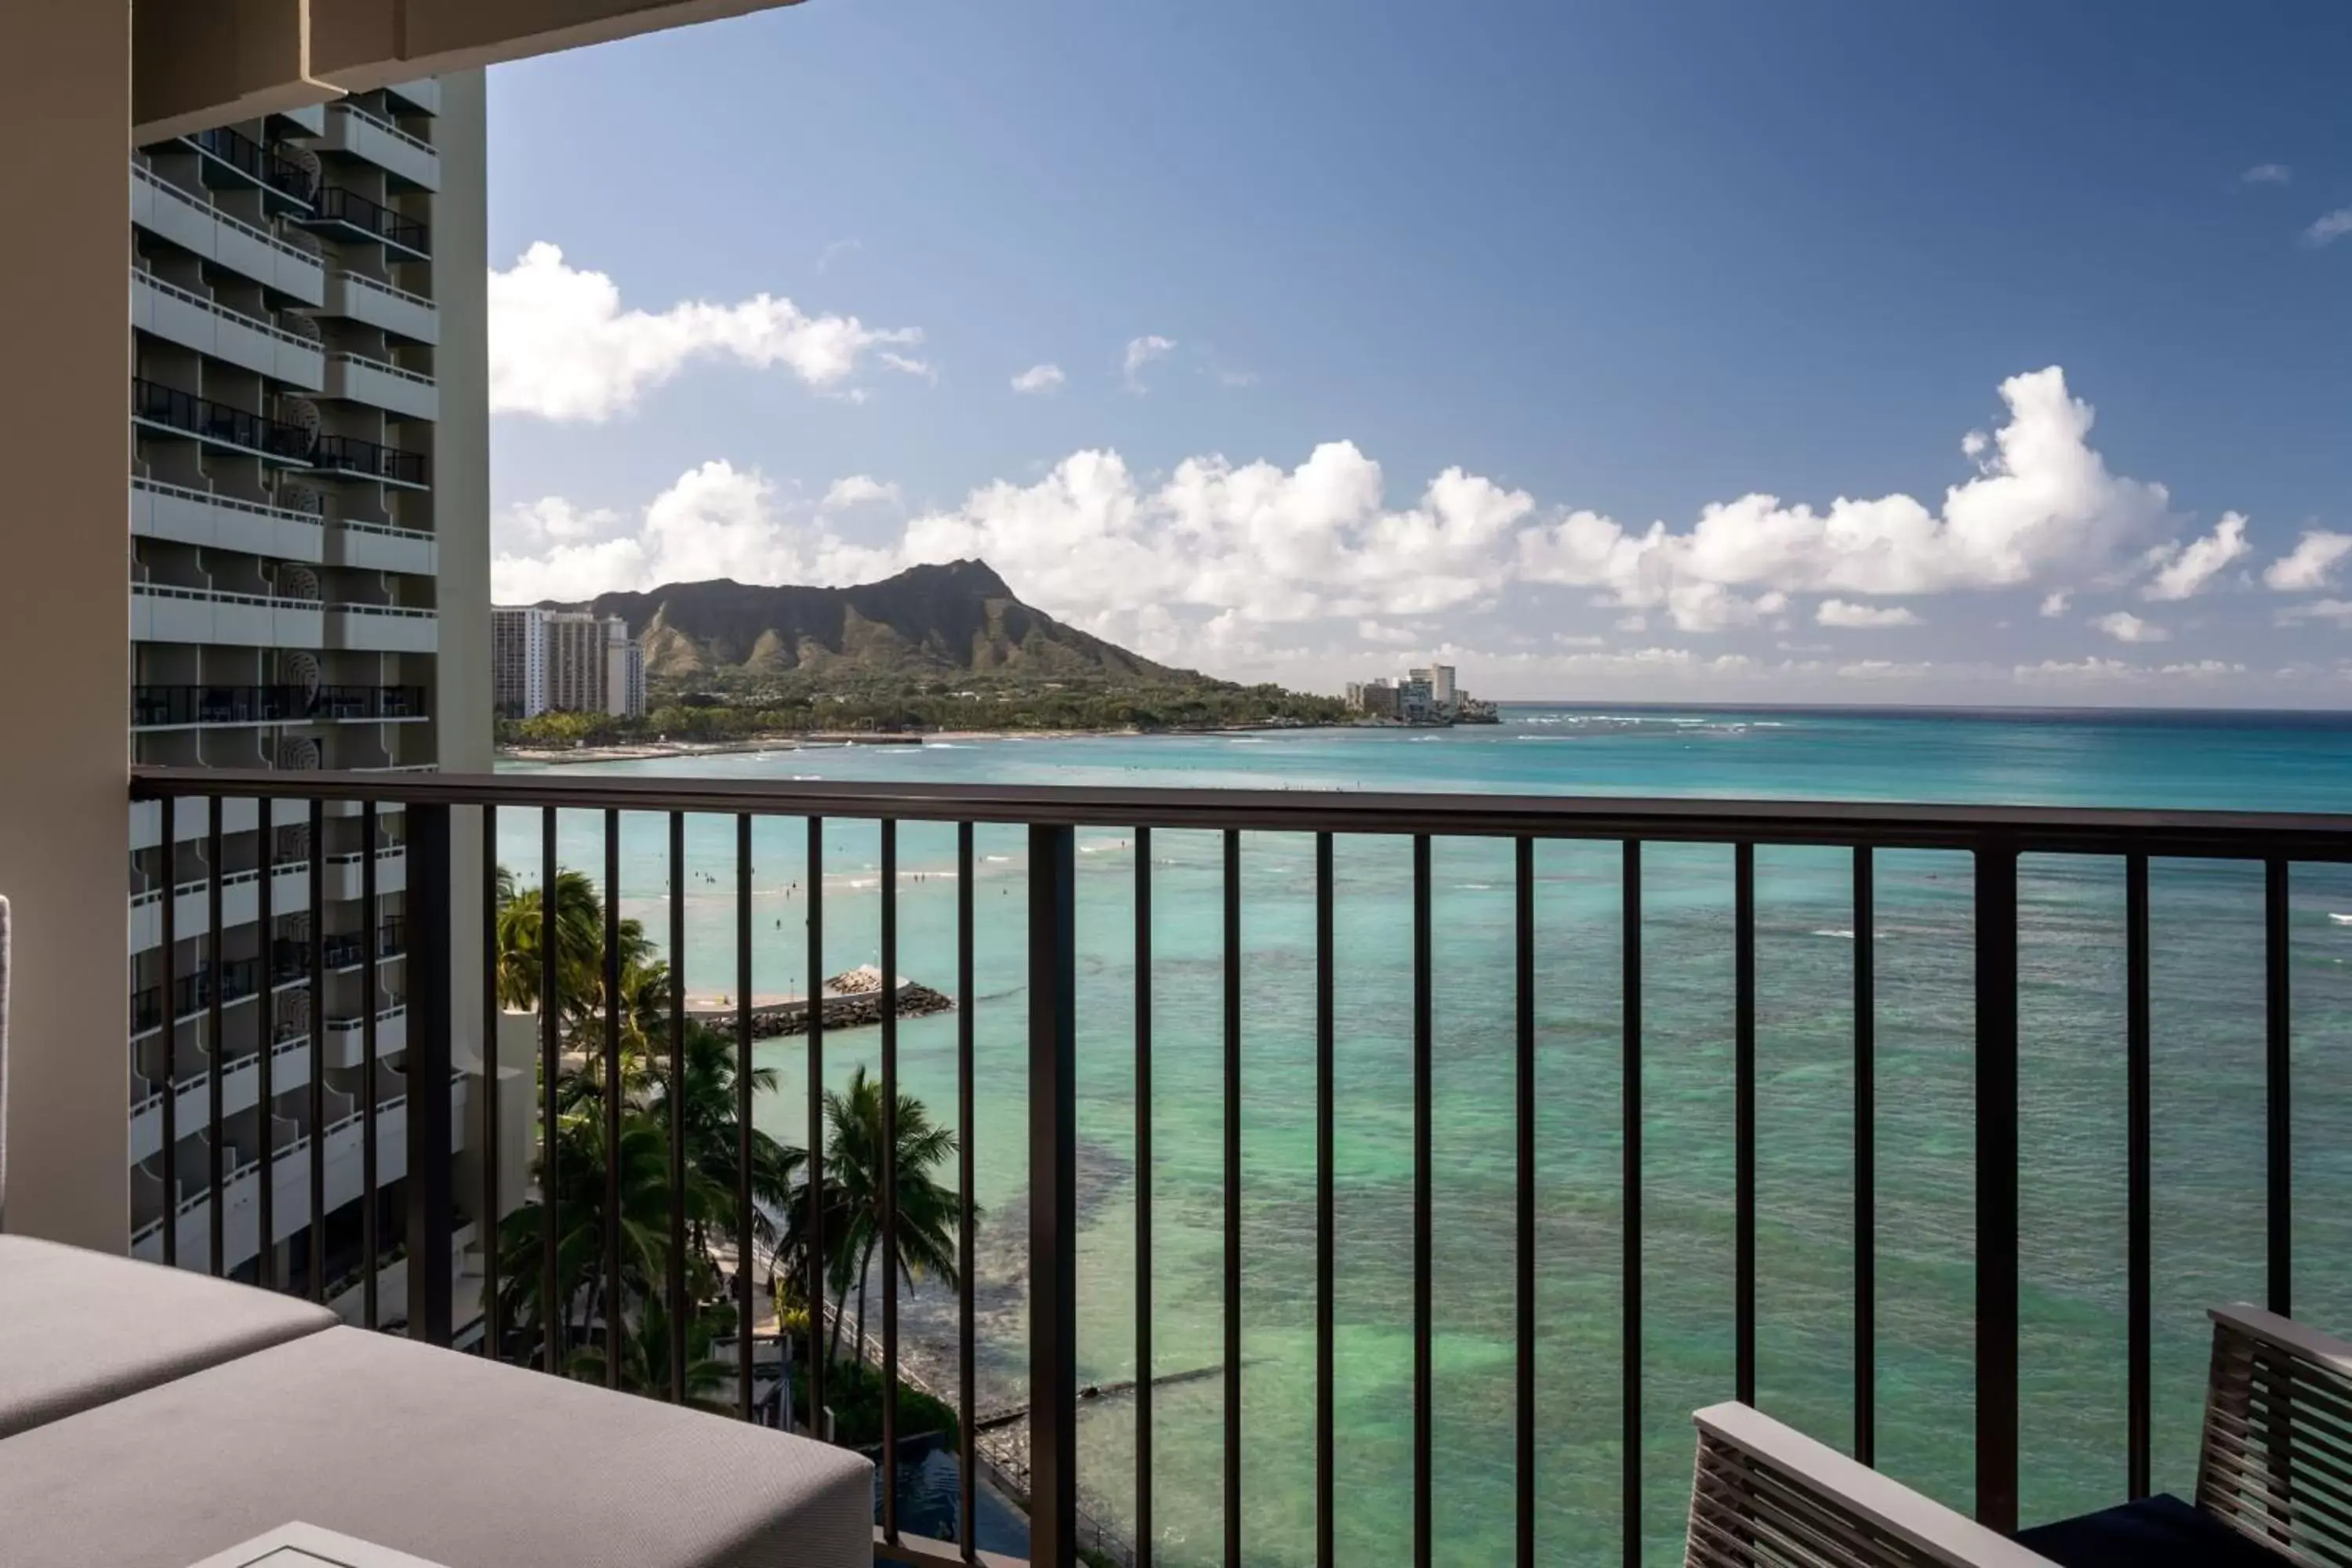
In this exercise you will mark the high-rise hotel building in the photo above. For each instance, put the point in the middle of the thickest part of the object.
(285, 612)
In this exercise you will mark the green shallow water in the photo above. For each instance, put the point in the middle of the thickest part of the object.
(2209, 1097)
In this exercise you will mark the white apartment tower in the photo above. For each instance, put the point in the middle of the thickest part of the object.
(568, 661)
(518, 661)
(283, 615)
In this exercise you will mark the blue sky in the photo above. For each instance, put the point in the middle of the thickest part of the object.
(1456, 303)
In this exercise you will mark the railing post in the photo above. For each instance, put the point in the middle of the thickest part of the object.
(1995, 922)
(1053, 1204)
(430, 1022)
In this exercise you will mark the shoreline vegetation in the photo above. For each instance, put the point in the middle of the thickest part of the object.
(738, 717)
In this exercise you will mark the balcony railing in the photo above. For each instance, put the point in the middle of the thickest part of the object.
(337, 206)
(153, 707)
(255, 162)
(349, 454)
(1279, 991)
(155, 404)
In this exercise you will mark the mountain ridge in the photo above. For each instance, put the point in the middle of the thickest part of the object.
(958, 617)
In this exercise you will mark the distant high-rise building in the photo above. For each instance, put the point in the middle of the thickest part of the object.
(566, 661)
(518, 662)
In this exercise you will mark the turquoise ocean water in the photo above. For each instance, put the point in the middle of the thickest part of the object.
(2208, 1096)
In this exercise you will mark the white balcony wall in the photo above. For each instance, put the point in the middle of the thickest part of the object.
(290, 1068)
(163, 208)
(381, 386)
(190, 823)
(193, 321)
(423, 94)
(386, 147)
(346, 1044)
(373, 547)
(224, 522)
(290, 893)
(344, 1169)
(164, 613)
(383, 307)
(381, 629)
(345, 872)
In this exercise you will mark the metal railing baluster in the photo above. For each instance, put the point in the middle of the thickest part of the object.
(679, 1308)
(215, 1044)
(967, 1126)
(889, 1008)
(818, 1219)
(1053, 1204)
(1866, 1160)
(1630, 1281)
(743, 1216)
(554, 1302)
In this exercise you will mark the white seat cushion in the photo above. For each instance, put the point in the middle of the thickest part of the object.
(79, 1329)
(430, 1452)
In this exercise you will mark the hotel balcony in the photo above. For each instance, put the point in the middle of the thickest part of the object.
(167, 411)
(381, 628)
(342, 877)
(352, 458)
(381, 547)
(182, 316)
(423, 95)
(407, 159)
(233, 161)
(216, 521)
(165, 209)
(188, 1054)
(394, 311)
(342, 1154)
(405, 392)
(346, 215)
(194, 707)
(1279, 989)
(163, 613)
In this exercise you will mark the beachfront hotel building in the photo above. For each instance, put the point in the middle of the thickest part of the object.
(567, 661)
(301, 479)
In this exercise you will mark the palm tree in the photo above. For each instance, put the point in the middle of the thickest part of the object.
(645, 1357)
(582, 1287)
(707, 1107)
(579, 942)
(925, 1233)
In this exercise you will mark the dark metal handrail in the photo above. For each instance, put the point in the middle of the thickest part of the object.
(336, 203)
(256, 162)
(350, 455)
(204, 417)
(1996, 837)
(2082, 830)
(153, 706)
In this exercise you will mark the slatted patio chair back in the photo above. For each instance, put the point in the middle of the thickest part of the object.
(2276, 1464)
(1767, 1496)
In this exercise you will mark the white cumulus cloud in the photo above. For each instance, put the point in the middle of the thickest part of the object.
(2329, 228)
(2042, 503)
(2267, 174)
(1198, 562)
(562, 346)
(1039, 378)
(2311, 564)
(1142, 352)
(857, 489)
(715, 521)
(2182, 570)
(1863, 617)
(2338, 611)
(2125, 626)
